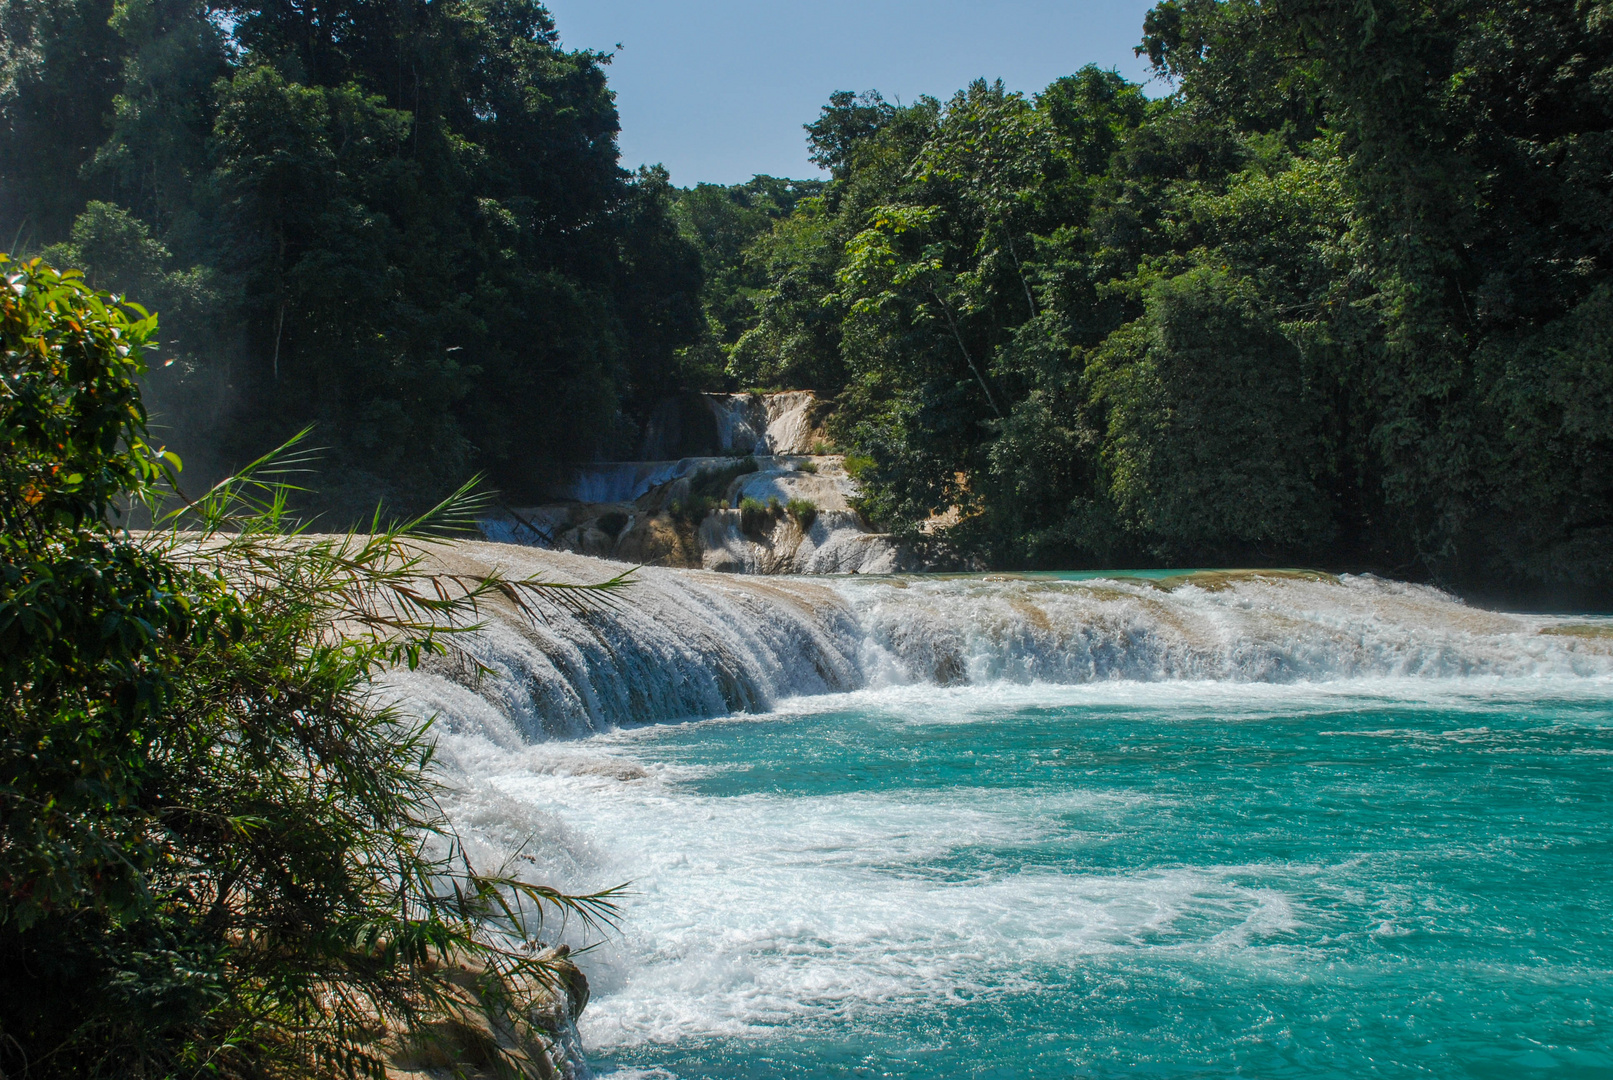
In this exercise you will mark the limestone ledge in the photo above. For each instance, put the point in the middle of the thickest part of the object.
(658, 529)
(475, 1036)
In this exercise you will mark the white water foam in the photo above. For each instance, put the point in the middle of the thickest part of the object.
(1253, 629)
(690, 644)
(752, 911)
(755, 910)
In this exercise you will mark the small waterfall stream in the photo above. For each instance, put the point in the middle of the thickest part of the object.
(704, 456)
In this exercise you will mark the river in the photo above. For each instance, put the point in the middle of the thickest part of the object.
(1060, 825)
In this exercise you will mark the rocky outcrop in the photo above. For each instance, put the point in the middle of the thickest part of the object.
(792, 424)
(486, 1028)
(806, 524)
(821, 481)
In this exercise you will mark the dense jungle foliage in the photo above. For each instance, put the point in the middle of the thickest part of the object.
(723, 223)
(1335, 290)
(1342, 297)
(404, 223)
(1338, 293)
(220, 855)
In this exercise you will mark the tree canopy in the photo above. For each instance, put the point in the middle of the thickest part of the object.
(1338, 295)
(404, 223)
(1334, 290)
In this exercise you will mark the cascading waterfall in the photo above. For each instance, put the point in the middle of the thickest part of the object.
(1254, 824)
(684, 644)
(704, 456)
(677, 645)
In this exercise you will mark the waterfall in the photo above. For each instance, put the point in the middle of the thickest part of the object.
(763, 424)
(693, 644)
(776, 423)
(997, 803)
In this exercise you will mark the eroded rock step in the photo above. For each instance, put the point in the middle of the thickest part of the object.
(766, 501)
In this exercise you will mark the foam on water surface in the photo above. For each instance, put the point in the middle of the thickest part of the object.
(1274, 827)
(699, 644)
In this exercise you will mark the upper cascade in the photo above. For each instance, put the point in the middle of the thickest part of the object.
(730, 482)
(710, 425)
(691, 644)
(691, 432)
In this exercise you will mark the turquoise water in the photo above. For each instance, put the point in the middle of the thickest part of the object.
(1057, 825)
(1379, 879)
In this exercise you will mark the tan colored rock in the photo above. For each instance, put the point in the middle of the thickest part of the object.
(826, 485)
(477, 1035)
(790, 426)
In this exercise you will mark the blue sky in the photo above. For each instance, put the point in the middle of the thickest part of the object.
(717, 90)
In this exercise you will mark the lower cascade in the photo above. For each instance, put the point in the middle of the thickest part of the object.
(1048, 824)
(686, 644)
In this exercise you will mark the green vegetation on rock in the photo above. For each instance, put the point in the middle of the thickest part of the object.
(803, 512)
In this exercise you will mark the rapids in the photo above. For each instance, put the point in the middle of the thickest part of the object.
(686, 644)
(1054, 825)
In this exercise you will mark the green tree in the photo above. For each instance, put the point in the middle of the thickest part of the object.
(1465, 131)
(1210, 444)
(722, 223)
(403, 223)
(1327, 299)
(218, 854)
(60, 67)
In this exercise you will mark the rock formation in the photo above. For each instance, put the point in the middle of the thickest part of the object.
(758, 499)
(476, 1034)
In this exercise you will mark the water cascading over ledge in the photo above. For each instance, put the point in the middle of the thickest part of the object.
(688, 644)
(704, 457)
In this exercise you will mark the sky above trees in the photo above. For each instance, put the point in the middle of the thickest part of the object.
(718, 90)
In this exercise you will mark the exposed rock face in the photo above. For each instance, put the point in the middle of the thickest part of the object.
(820, 480)
(660, 512)
(791, 426)
(477, 1035)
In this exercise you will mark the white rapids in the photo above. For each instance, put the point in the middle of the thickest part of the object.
(767, 910)
(684, 644)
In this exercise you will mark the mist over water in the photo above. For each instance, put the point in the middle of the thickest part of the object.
(1033, 827)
